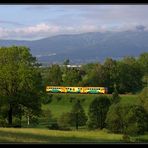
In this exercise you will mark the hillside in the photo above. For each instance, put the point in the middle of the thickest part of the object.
(86, 47)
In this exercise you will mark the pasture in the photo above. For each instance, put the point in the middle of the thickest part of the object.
(63, 102)
(32, 135)
(44, 136)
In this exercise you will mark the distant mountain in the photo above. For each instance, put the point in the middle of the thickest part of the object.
(86, 47)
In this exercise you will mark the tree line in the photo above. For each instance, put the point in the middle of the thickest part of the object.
(129, 74)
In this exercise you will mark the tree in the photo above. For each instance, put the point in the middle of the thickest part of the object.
(114, 118)
(115, 96)
(126, 69)
(126, 119)
(71, 77)
(54, 77)
(64, 121)
(95, 75)
(111, 73)
(143, 98)
(143, 60)
(97, 112)
(66, 62)
(136, 120)
(20, 80)
(77, 115)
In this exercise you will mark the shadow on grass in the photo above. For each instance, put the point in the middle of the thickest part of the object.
(12, 137)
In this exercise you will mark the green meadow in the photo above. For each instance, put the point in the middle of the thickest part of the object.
(67, 100)
(41, 134)
(32, 135)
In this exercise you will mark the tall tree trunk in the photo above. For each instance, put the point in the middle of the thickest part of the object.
(28, 122)
(10, 115)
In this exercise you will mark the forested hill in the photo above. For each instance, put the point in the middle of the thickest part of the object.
(86, 47)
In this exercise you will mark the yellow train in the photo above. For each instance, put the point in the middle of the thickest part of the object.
(85, 90)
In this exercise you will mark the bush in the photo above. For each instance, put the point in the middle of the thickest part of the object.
(53, 126)
(64, 121)
(126, 138)
(127, 119)
(114, 118)
(47, 116)
(3, 123)
(47, 99)
(58, 98)
(97, 112)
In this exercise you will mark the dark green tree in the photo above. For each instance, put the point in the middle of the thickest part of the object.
(95, 76)
(77, 115)
(54, 76)
(71, 77)
(20, 80)
(143, 98)
(143, 60)
(115, 118)
(66, 62)
(136, 120)
(97, 112)
(64, 121)
(115, 96)
(130, 75)
(126, 119)
(111, 73)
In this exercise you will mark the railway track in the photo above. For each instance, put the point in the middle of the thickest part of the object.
(78, 93)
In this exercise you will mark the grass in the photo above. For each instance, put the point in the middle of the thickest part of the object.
(65, 104)
(31, 135)
(41, 134)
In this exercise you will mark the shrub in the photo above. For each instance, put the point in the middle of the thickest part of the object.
(126, 138)
(64, 121)
(97, 112)
(127, 119)
(53, 126)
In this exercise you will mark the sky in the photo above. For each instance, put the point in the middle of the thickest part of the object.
(31, 22)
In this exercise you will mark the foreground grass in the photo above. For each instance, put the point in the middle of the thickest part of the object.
(32, 135)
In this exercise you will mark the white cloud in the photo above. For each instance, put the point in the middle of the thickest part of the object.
(36, 31)
(43, 30)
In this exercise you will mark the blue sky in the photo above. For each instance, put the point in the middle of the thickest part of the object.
(30, 22)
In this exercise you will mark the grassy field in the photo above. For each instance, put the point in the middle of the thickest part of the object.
(65, 104)
(31, 135)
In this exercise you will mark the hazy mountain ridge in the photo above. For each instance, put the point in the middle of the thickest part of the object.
(86, 47)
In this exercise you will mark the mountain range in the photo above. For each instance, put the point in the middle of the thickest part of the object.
(86, 47)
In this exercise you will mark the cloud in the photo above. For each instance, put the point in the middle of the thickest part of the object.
(31, 32)
(43, 30)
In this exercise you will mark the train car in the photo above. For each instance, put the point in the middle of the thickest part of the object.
(55, 89)
(95, 90)
(74, 89)
(83, 90)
